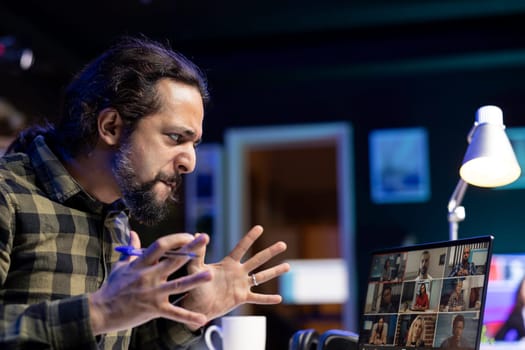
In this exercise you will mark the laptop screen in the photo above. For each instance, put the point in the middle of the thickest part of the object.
(429, 296)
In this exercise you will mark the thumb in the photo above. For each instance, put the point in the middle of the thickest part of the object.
(134, 239)
(201, 252)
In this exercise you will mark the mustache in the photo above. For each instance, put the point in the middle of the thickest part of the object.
(175, 181)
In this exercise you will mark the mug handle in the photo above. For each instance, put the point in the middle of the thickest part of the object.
(209, 332)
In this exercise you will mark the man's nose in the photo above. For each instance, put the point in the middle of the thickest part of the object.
(185, 161)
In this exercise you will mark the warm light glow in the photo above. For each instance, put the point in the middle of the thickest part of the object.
(490, 160)
(489, 172)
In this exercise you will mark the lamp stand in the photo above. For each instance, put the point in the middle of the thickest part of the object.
(456, 212)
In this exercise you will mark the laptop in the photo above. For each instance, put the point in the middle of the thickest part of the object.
(427, 296)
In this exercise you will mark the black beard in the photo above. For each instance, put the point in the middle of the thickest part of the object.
(143, 205)
(140, 197)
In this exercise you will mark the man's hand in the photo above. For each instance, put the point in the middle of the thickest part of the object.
(231, 280)
(138, 289)
(462, 272)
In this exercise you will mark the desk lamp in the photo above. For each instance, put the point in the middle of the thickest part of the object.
(489, 162)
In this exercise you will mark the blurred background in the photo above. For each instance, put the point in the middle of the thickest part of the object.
(402, 78)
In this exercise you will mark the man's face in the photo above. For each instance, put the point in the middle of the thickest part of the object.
(149, 163)
(457, 331)
(423, 265)
(466, 254)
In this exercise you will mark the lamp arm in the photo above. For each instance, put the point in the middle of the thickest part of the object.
(456, 212)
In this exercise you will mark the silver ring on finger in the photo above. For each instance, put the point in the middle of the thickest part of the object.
(254, 280)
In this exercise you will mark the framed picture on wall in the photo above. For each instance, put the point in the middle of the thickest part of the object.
(399, 165)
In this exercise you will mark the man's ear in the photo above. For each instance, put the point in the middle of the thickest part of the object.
(110, 126)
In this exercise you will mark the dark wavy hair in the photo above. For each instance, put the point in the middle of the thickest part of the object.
(125, 78)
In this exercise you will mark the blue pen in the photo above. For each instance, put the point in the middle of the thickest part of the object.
(130, 250)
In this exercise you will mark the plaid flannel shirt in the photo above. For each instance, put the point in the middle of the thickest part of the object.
(56, 245)
(456, 299)
(468, 267)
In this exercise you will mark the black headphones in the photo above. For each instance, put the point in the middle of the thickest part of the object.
(304, 339)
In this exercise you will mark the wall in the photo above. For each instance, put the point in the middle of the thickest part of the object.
(440, 94)
(443, 100)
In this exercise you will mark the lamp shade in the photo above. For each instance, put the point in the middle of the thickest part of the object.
(490, 160)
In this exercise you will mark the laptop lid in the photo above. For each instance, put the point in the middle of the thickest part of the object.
(428, 296)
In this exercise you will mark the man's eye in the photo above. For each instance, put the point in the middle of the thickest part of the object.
(175, 137)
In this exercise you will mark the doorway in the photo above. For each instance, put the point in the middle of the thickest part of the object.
(297, 182)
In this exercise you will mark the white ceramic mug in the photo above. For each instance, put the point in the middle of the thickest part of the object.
(239, 333)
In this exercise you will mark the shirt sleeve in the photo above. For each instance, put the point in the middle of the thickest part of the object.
(452, 299)
(454, 271)
(59, 324)
(6, 238)
(473, 269)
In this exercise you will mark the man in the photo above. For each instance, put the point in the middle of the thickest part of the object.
(386, 305)
(464, 267)
(131, 121)
(424, 262)
(456, 340)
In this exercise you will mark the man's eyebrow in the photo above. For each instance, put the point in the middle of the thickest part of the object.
(191, 134)
(188, 132)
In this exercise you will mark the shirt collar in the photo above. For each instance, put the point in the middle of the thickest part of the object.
(56, 181)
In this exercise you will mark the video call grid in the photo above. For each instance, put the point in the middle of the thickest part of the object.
(402, 273)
